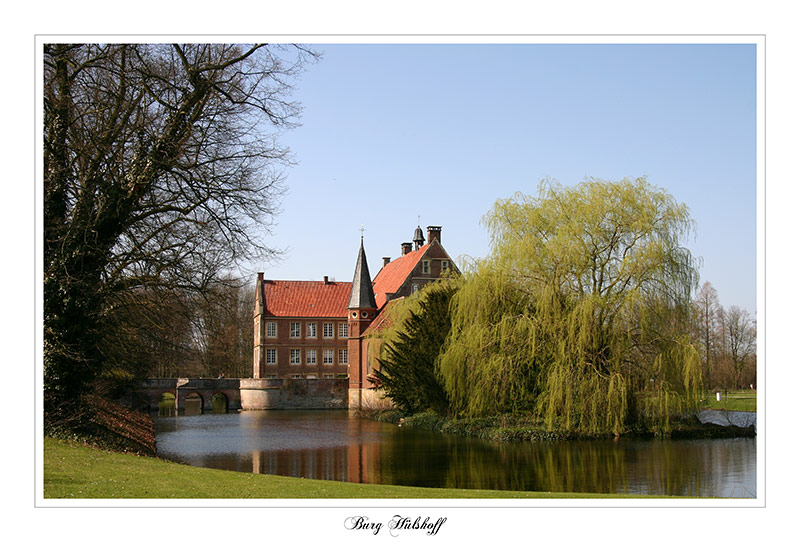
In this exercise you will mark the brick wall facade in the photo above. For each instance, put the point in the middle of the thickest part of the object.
(283, 345)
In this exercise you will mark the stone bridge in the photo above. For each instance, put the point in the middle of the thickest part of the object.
(151, 391)
(245, 393)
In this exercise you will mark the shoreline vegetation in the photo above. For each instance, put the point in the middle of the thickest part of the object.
(78, 471)
(524, 428)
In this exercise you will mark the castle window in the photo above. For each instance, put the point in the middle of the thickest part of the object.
(343, 331)
(414, 288)
(329, 376)
(426, 266)
(445, 265)
(343, 356)
(327, 330)
(272, 330)
(311, 330)
(294, 356)
(311, 357)
(272, 356)
(327, 356)
(294, 330)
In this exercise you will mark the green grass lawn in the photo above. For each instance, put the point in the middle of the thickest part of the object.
(744, 400)
(72, 470)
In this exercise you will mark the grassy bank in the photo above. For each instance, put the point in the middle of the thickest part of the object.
(72, 470)
(106, 424)
(741, 400)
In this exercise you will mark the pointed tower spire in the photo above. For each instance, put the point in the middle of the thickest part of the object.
(361, 295)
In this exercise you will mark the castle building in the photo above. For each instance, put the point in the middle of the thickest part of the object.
(321, 329)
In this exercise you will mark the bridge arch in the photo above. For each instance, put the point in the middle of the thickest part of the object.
(219, 402)
(194, 403)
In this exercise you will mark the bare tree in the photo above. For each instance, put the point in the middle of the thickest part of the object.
(740, 339)
(161, 166)
(223, 320)
(709, 314)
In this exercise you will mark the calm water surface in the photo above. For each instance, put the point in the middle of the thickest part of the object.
(332, 445)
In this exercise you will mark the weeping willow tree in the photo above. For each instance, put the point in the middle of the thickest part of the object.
(577, 313)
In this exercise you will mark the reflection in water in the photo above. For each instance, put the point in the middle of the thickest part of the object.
(330, 445)
(166, 406)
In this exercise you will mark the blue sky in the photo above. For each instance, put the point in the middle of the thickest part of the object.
(390, 132)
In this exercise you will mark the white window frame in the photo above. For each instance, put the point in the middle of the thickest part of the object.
(343, 330)
(295, 329)
(346, 356)
(311, 330)
(426, 267)
(294, 356)
(326, 334)
(311, 356)
(272, 329)
(445, 265)
(274, 352)
(326, 359)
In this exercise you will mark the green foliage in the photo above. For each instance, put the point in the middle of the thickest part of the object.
(490, 361)
(407, 364)
(582, 304)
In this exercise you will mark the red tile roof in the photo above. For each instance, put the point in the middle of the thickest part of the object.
(392, 275)
(306, 298)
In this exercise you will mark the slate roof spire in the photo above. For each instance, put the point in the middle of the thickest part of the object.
(361, 295)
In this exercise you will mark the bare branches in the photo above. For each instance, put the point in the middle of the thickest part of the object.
(162, 167)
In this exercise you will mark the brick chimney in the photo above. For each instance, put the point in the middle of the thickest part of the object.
(434, 232)
(386, 260)
(405, 248)
(325, 279)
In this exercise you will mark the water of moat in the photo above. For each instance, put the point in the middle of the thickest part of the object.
(332, 445)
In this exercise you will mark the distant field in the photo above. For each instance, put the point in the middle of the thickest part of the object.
(743, 400)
